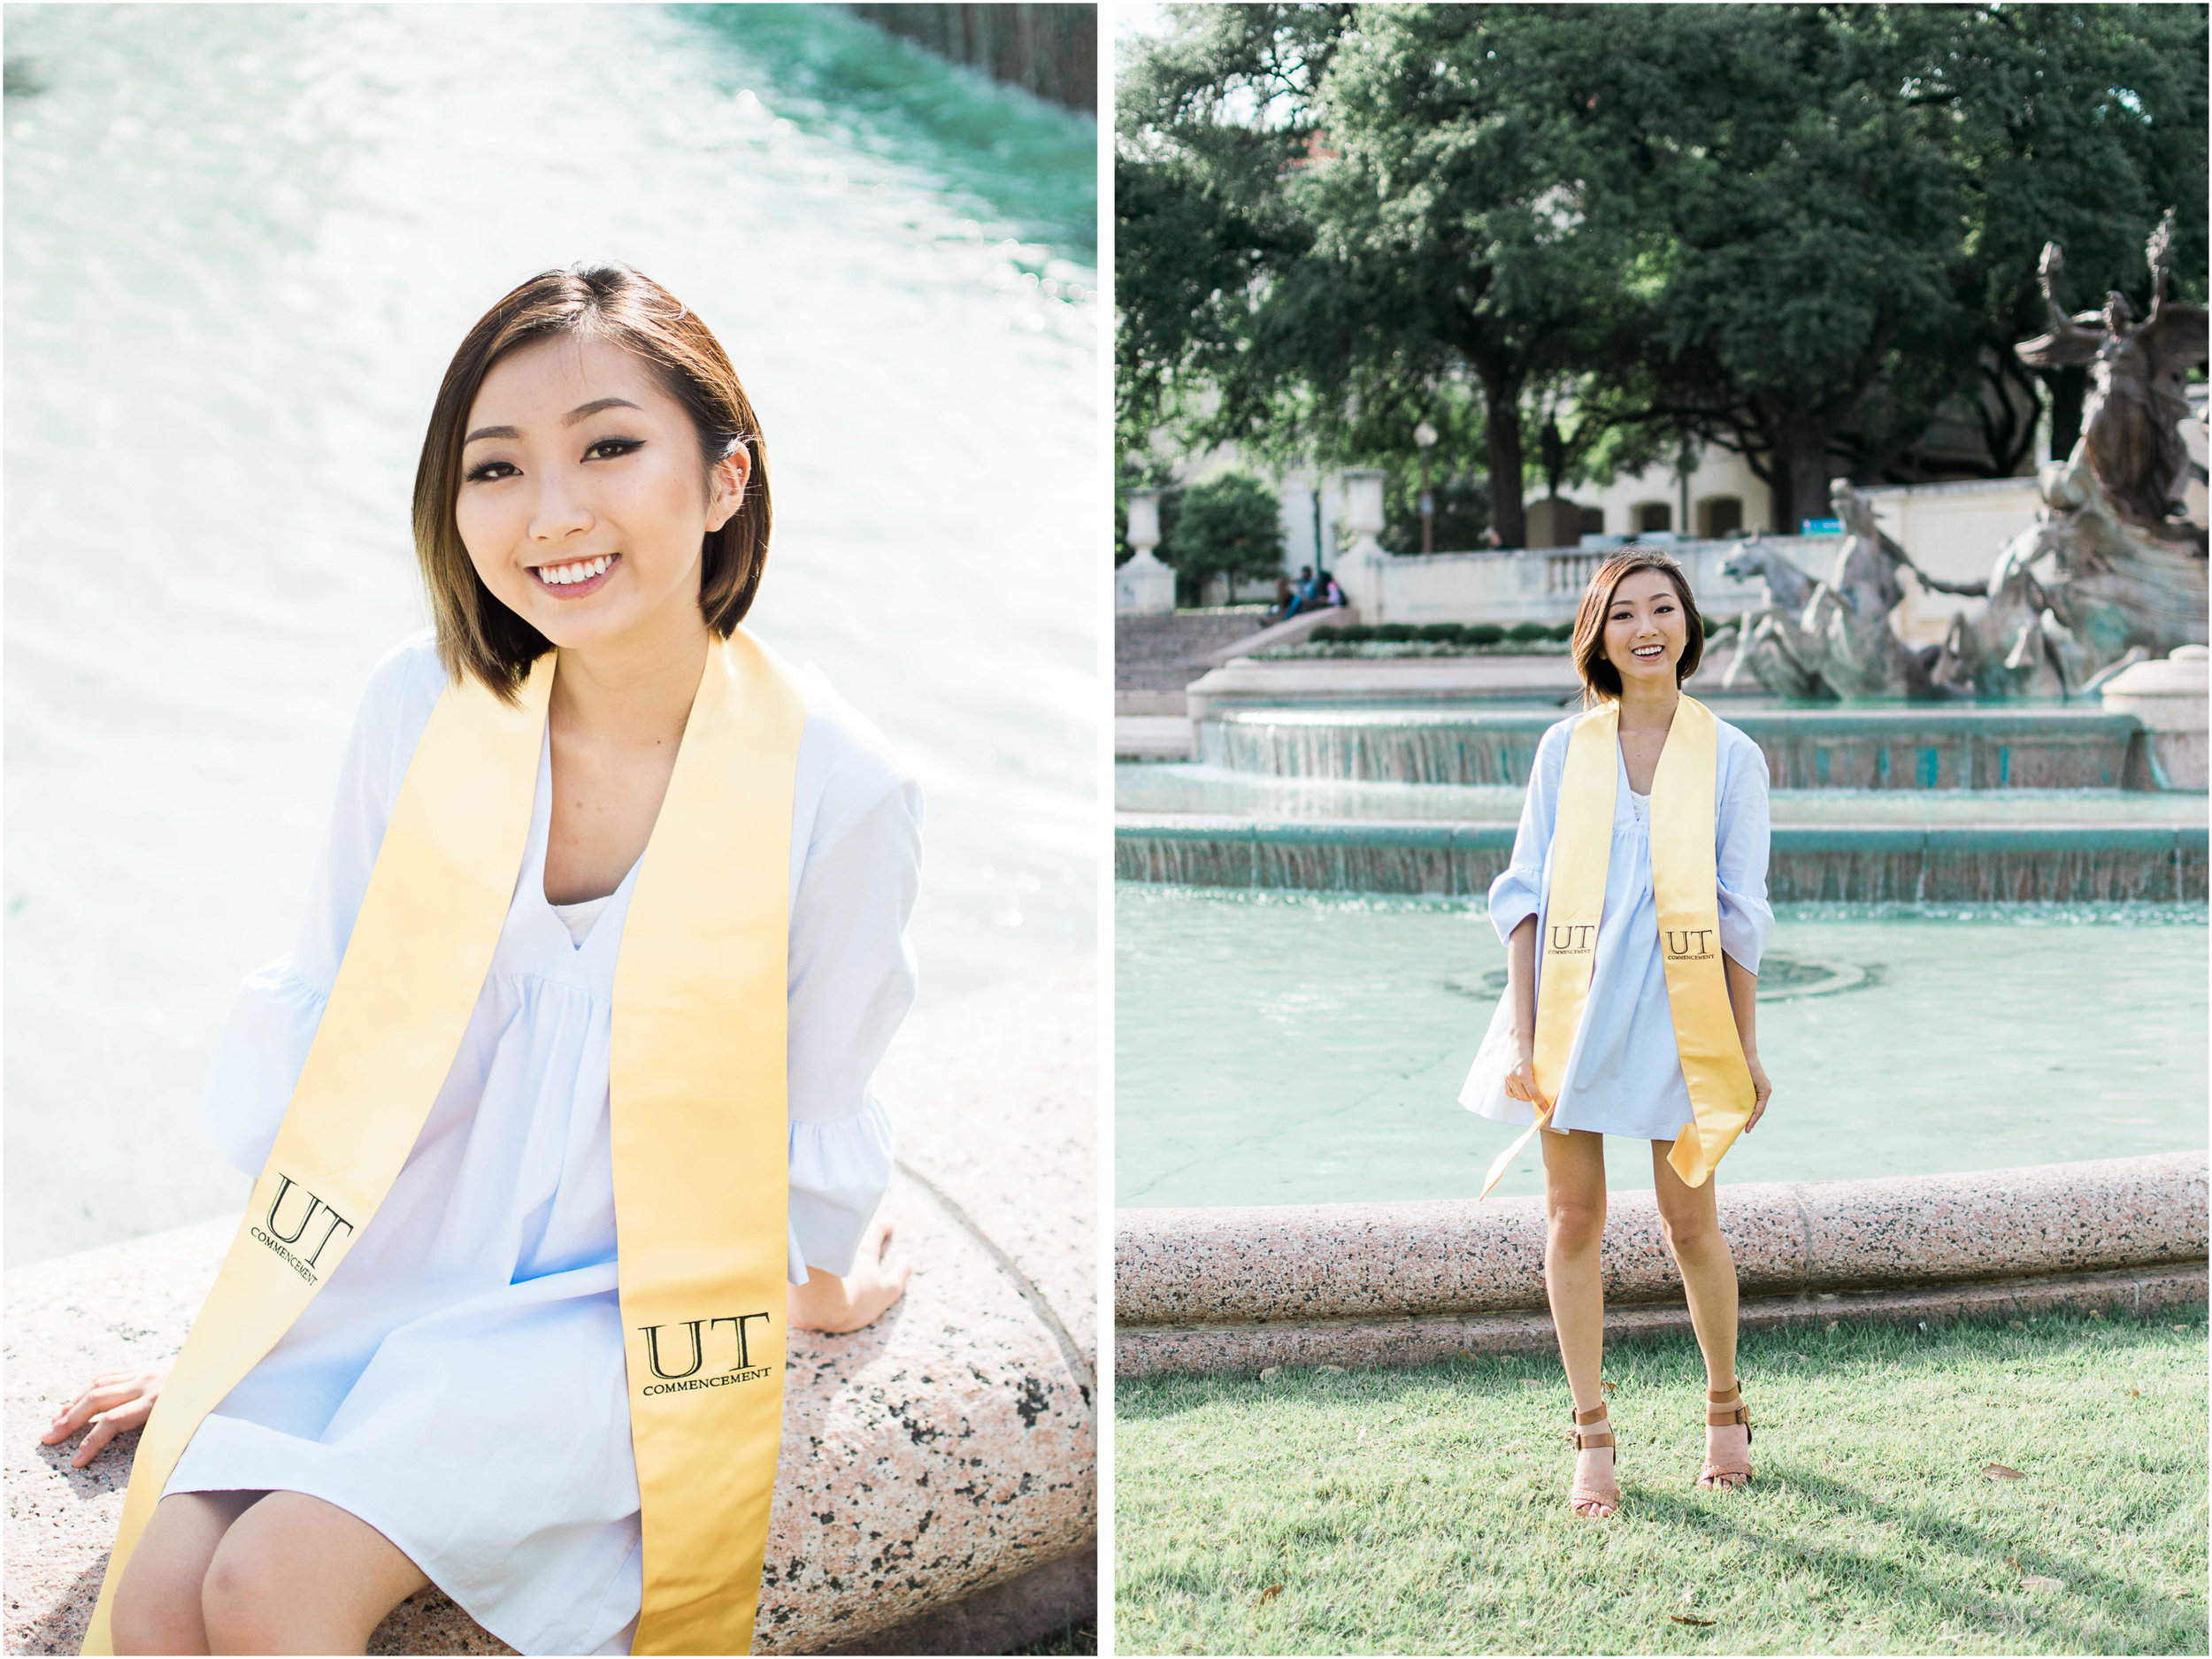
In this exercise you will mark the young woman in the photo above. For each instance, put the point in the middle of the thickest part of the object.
(1637, 882)
(458, 1403)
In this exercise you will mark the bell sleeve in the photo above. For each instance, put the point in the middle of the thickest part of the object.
(1518, 892)
(1741, 859)
(852, 981)
(273, 1018)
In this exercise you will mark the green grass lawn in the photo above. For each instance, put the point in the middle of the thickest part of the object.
(1424, 1511)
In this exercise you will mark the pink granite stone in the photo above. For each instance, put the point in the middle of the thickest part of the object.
(1024, 1170)
(1359, 1282)
(1344, 1261)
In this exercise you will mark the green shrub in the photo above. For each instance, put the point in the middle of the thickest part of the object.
(1443, 633)
(1564, 632)
(1529, 631)
(1483, 634)
(1342, 632)
(1229, 525)
(1395, 630)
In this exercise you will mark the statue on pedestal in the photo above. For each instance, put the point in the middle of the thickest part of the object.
(2131, 436)
(2112, 572)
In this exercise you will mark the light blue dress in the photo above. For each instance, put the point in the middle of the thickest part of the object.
(1623, 1076)
(457, 1382)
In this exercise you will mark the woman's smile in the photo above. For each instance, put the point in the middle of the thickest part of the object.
(574, 578)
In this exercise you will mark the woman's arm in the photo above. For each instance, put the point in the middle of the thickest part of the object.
(1520, 987)
(1516, 898)
(852, 981)
(1746, 918)
(1743, 998)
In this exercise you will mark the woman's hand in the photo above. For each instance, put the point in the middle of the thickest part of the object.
(1520, 1078)
(829, 1303)
(125, 1397)
(1759, 1090)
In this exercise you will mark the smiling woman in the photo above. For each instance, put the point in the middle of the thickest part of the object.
(604, 1132)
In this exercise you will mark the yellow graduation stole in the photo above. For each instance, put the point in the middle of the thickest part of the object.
(1687, 891)
(698, 1116)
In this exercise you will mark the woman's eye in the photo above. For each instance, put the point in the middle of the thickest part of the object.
(615, 446)
(489, 469)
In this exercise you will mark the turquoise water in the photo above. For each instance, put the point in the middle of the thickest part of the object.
(1157, 787)
(1303, 1048)
(241, 243)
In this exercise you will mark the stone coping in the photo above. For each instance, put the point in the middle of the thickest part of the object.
(947, 1448)
(1300, 1265)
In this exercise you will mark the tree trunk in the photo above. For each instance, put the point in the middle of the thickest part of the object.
(1798, 455)
(1501, 443)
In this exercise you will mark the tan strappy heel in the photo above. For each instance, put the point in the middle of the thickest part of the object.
(1721, 1410)
(1603, 1501)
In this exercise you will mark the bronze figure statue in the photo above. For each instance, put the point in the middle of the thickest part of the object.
(2137, 397)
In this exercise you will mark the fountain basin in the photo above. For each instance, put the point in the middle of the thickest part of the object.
(1299, 1048)
(1852, 863)
(1901, 745)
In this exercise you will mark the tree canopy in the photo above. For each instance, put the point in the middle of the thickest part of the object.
(1798, 231)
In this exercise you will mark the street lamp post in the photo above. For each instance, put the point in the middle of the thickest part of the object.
(1424, 439)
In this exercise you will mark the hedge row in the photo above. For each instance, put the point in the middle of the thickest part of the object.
(1443, 633)
(1461, 632)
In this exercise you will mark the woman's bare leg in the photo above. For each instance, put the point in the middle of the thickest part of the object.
(296, 1575)
(1574, 1215)
(156, 1607)
(1692, 1218)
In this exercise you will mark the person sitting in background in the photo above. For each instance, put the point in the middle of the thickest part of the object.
(1301, 596)
(1284, 599)
(1330, 594)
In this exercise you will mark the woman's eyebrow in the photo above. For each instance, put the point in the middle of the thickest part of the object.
(582, 411)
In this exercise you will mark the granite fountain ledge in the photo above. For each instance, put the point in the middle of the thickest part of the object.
(937, 1486)
(1400, 1283)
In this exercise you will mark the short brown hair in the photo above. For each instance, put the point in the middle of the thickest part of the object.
(1599, 679)
(477, 634)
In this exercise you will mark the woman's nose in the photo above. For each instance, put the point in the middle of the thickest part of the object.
(561, 511)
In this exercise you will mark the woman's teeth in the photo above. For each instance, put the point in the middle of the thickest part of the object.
(1650, 650)
(563, 575)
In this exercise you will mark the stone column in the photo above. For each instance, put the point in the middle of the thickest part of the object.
(1362, 567)
(1144, 587)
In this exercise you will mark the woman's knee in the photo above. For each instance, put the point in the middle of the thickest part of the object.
(1693, 1231)
(1576, 1223)
(246, 1600)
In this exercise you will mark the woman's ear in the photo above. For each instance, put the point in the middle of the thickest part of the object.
(727, 482)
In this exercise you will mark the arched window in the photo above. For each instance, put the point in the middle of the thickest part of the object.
(1718, 516)
(1654, 515)
(1593, 521)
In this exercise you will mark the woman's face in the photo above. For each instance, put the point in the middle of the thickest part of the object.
(1646, 630)
(582, 503)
